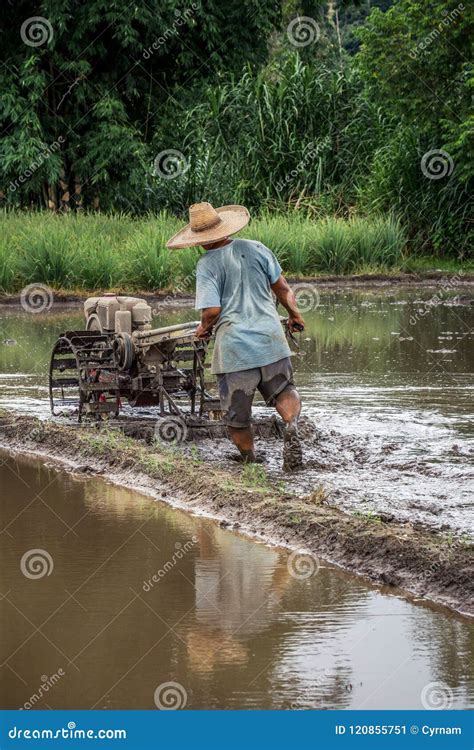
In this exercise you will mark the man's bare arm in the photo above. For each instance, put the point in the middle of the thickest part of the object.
(286, 297)
(209, 317)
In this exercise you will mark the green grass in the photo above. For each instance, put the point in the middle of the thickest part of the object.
(116, 252)
(368, 515)
(255, 476)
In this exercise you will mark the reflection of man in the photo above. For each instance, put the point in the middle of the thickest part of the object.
(234, 284)
(238, 587)
(233, 586)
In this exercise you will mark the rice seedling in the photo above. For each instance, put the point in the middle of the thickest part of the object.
(99, 252)
(7, 266)
(145, 261)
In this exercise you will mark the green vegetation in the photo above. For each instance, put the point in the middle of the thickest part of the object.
(369, 515)
(98, 251)
(255, 476)
(369, 118)
(117, 252)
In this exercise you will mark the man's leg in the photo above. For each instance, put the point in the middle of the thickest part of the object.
(236, 391)
(288, 406)
(243, 439)
(278, 389)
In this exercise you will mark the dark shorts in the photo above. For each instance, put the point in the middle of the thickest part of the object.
(237, 389)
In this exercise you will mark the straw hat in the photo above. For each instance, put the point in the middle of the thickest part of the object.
(208, 224)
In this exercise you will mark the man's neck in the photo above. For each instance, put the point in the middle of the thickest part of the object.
(219, 243)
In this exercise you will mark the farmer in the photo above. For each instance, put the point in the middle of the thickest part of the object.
(234, 283)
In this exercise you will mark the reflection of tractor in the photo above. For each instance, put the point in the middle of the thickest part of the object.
(120, 357)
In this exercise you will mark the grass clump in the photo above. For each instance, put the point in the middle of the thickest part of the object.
(370, 516)
(255, 476)
(337, 246)
(96, 252)
(318, 496)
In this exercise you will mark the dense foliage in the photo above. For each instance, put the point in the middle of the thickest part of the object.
(149, 107)
(416, 64)
(93, 76)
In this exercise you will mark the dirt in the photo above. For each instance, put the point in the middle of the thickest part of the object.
(418, 561)
(170, 298)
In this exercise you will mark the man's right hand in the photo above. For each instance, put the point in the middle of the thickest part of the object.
(296, 322)
(286, 297)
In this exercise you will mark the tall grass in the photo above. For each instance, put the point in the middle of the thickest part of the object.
(331, 245)
(98, 252)
(270, 139)
(308, 136)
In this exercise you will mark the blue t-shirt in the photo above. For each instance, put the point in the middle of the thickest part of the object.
(237, 278)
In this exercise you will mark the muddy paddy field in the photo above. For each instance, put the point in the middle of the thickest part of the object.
(240, 619)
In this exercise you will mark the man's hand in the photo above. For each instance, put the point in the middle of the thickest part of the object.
(202, 333)
(209, 317)
(286, 297)
(296, 322)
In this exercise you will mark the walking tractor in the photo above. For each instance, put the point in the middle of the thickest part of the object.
(119, 361)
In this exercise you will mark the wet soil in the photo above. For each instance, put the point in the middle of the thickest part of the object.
(172, 298)
(385, 378)
(420, 561)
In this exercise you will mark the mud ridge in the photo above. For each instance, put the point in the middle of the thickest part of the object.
(173, 298)
(420, 562)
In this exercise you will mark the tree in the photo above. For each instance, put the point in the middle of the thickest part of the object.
(415, 62)
(85, 80)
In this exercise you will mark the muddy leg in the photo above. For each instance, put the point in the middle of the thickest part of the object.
(242, 437)
(288, 406)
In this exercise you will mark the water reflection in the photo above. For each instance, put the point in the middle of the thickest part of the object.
(141, 594)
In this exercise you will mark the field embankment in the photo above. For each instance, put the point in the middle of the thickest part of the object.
(419, 561)
(99, 252)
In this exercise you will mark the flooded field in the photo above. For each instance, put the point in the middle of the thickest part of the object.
(111, 600)
(387, 385)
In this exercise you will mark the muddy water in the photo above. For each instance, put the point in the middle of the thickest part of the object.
(387, 383)
(130, 594)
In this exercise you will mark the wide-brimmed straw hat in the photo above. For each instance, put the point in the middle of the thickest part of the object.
(208, 224)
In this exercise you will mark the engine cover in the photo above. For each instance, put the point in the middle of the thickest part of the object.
(101, 313)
